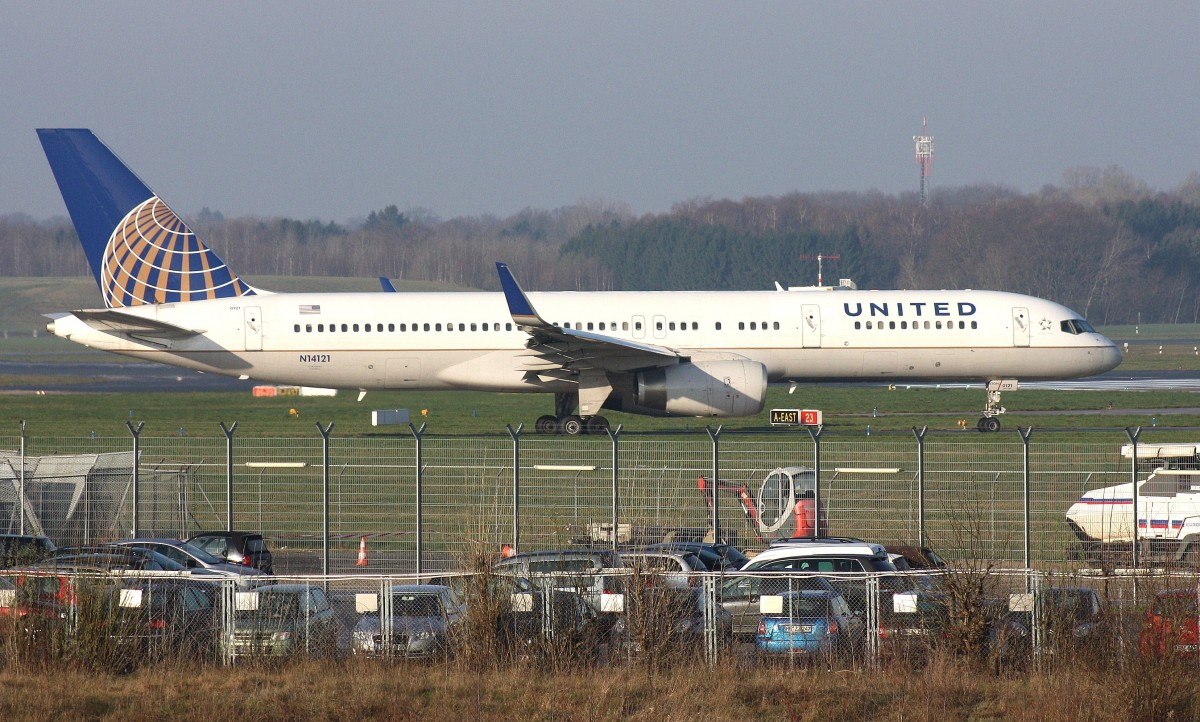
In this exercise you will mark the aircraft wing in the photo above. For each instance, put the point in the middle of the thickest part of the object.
(556, 347)
(126, 324)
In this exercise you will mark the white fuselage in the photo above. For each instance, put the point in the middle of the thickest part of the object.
(469, 340)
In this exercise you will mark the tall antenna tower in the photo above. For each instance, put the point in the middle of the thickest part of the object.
(924, 143)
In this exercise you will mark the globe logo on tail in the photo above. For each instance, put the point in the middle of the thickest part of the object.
(153, 257)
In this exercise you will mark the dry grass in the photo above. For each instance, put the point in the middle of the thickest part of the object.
(308, 690)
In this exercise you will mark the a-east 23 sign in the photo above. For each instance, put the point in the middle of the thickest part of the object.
(795, 417)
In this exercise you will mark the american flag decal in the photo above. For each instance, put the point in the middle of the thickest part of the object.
(310, 308)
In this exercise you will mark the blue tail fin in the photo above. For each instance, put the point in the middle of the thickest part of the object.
(139, 250)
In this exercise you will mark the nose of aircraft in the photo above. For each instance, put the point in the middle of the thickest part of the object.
(1110, 356)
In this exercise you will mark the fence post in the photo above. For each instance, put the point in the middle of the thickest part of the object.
(616, 474)
(325, 496)
(715, 436)
(136, 431)
(1025, 434)
(1133, 487)
(21, 489)
(516, 486)
(920, 483)
(419, 434)
(818, 530)
(229, 474)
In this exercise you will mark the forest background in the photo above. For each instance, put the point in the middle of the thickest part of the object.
(1101, 242)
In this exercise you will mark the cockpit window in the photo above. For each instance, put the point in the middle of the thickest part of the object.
(1076, 326)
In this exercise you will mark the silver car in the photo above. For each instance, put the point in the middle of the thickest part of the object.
(192, 556)
(417, 621)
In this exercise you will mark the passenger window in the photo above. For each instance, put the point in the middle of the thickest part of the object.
(624, 325)
(297, 328)
(868, 325)
(974, 324)
(891, 324)
(775, 325)
(590, 327)
(367, 327)
(638, 325)
(741, 325)
(672, 326)
(308, 328)
(754, 325)
(718, 325)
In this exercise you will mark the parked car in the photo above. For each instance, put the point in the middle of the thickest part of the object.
(240, 547)
(740, 595)
(811, 623)
(667, 620)
(842, 560)
(1066, 615)
(21, 549)
(545, 622)
(591, 573)
(283, 620)
(1170, 626)
(417, 621)
(117, 560)
(193, 557)
(159, 618)
(717, 557)
(674, 569)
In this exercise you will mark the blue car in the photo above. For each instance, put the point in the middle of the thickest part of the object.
(811, 623)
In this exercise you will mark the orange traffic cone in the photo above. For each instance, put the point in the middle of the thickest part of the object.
(362, 552)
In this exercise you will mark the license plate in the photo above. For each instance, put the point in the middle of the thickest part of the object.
(798, 628)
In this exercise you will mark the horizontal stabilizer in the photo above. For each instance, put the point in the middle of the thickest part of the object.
(126, 324)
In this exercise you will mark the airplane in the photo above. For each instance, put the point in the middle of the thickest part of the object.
(168, 298)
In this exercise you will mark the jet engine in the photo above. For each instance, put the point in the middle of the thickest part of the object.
(704, 388)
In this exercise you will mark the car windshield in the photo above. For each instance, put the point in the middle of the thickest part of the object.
(274, 605)
(797, 606)
(1175, 606)
(198, 553)
(416, 605)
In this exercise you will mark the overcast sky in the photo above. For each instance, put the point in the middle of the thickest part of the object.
(467, 108)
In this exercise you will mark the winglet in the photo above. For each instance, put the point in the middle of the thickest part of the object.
(518, 303)
(387, 284)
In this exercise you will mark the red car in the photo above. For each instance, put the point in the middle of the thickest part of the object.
(1170, 625)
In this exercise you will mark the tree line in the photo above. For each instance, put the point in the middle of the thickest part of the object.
(1101, 243)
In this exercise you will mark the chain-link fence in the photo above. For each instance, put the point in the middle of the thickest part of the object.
(415, 503)
(627, 616)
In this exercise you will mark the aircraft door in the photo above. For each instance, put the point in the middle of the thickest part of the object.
(253, 326)
(1020, 327)
(810, 325)
(639, 327)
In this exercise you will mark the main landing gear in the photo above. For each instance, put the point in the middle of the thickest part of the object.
(992, 408)
(564, 421)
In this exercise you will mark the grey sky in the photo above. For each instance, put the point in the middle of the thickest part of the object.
(333, 110)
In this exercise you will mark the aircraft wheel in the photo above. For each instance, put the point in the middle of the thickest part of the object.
(596, 425)
(546, 425)
(572, 425)
(989, 423)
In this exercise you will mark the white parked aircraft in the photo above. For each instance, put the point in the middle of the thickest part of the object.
(168, 298)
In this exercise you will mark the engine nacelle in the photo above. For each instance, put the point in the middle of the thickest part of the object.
(704, 388)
